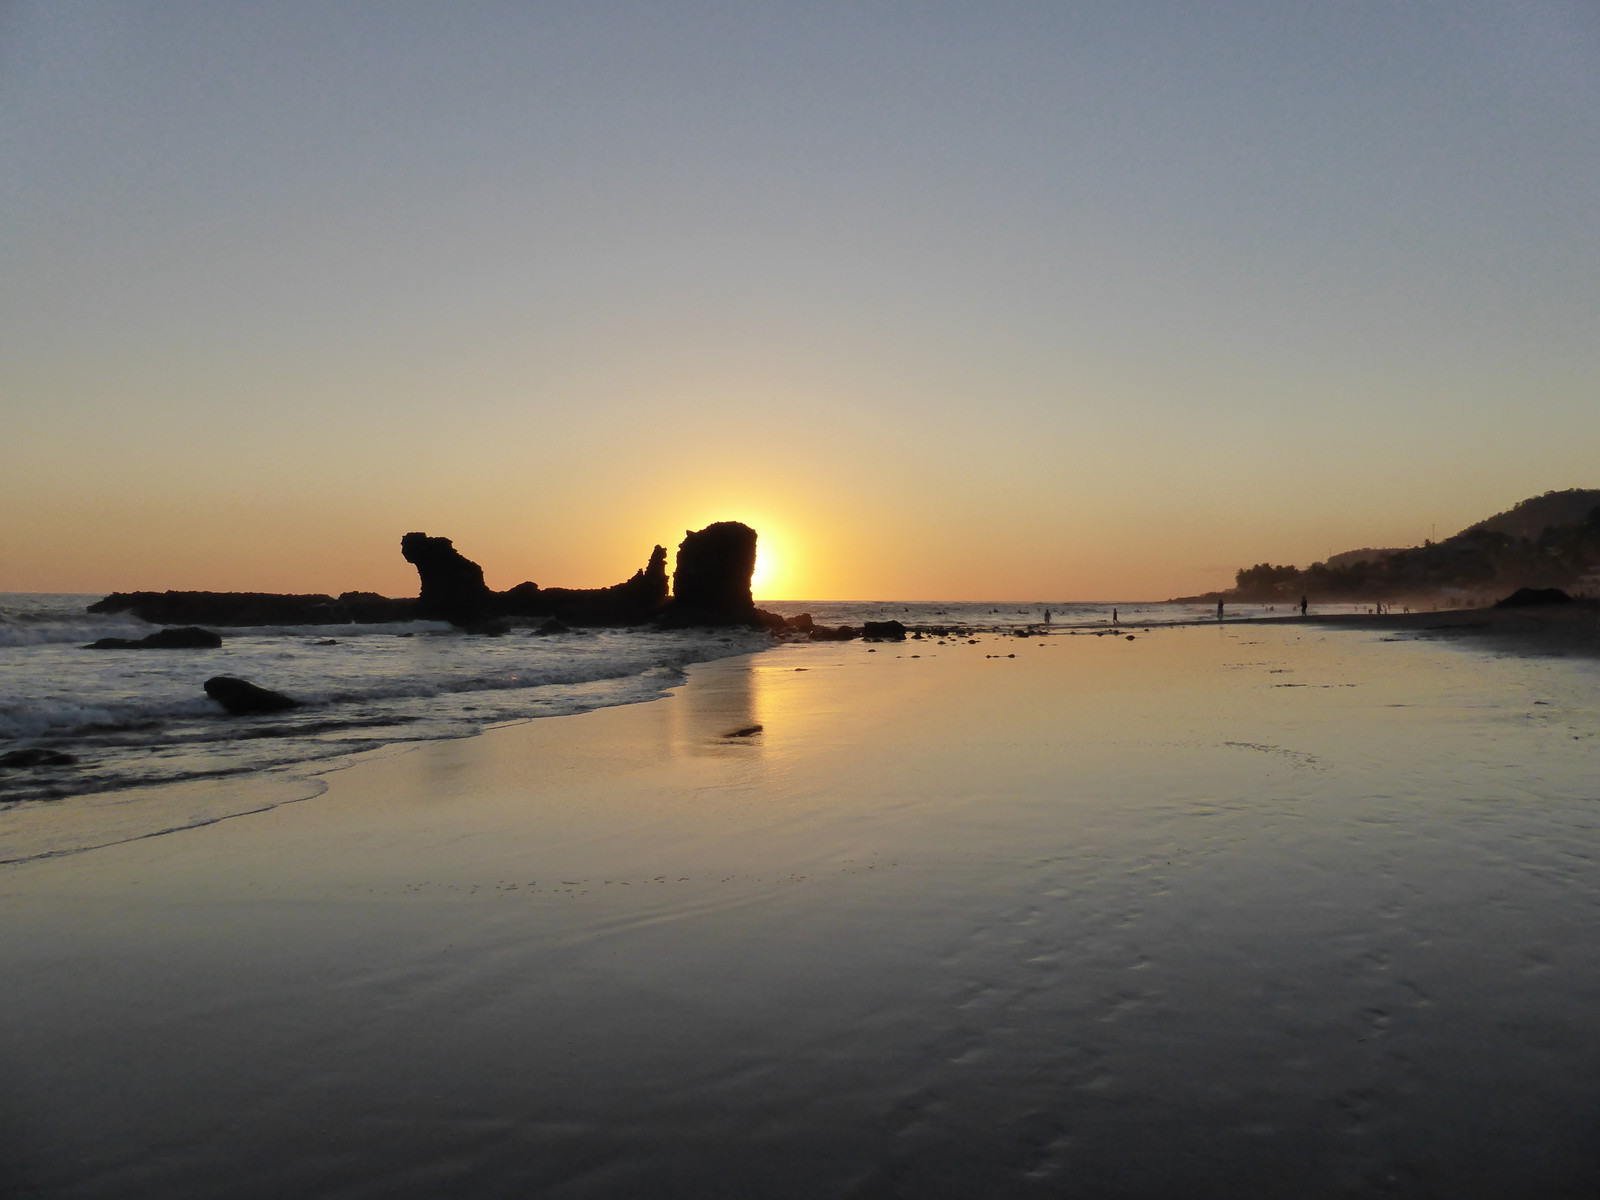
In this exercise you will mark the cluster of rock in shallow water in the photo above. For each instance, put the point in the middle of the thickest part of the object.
(710, 587)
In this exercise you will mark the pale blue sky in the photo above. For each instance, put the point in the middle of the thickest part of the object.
(1070, 300)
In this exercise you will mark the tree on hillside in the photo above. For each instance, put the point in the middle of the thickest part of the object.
(1264, 577)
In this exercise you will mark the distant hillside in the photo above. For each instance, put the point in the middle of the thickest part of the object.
(1549, 511)
(1548, 541)
(1355, 556)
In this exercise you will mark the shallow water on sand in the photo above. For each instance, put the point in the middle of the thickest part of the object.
(1215, 912)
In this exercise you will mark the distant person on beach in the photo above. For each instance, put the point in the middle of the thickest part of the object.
(1219, 610)
(1047, 616)
(1113, 616)
(1302, 606)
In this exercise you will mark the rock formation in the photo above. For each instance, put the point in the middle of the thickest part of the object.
(1530, 597)
(184, 637)
(635, 601)
(242, 698)
(711, 584)
(452, 587)
(883, 631)
(255, 608)
(37, 756)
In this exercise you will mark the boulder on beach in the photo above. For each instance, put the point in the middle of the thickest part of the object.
(184, 637)
(242, 698)
(36, 756)
(833, 633)
(255, 608)
(1533, 597)
(883, 631)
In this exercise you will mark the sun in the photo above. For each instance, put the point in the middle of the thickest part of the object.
(767, 573)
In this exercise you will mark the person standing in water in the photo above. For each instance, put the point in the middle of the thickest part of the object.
(1113, 616)
(1219, 610)
(1302, 606)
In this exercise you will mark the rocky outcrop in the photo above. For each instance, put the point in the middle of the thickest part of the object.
(1533, 597)
(883, 631)
(242, 698)
(803, 624)
(712, 586)
(711, 583)
(452, 587)
(637, 600)
(833, 633)
(184, 637)
(255, 608)
(37, 756)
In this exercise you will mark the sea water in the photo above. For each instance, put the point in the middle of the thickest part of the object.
(135, 718)
(140, 717)
(1242, 911)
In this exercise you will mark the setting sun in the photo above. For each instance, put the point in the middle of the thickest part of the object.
(773, 577)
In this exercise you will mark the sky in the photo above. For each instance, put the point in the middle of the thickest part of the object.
(1036, 301)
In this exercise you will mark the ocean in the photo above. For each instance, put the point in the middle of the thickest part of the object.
(1306, 909)
(134, 718)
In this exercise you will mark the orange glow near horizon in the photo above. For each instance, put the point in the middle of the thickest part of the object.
(762, 579)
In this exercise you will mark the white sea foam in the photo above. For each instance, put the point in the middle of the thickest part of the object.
(141, 716)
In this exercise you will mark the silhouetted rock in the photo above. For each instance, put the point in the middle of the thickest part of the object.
(1532, 597)
(36, 756)
(186, 637)
(242, 698)
(452, 587)
(255, 608)
(711, 583)
(713, 579)
(370, 608)
(883, 631)
(833, 633)
(552, 627)
(637, 600)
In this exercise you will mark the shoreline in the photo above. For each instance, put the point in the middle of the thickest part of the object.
(1555, 629)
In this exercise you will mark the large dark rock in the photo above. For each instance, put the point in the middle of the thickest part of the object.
(242, 698)
(711, 585)
(833, 633)
(635, 601)
(804, 624)
(185, 637)
(1533, 597)
(452, 584)
(36, 756)
(713, 582)
(255, 608)
(883, 631)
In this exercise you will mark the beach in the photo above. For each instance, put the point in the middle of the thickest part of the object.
(1251, 909)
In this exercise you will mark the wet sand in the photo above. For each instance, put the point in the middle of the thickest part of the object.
(1249, 910)
(1552, 629)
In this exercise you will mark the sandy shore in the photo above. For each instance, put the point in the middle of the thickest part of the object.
(1248, 910)
(1555, 629)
